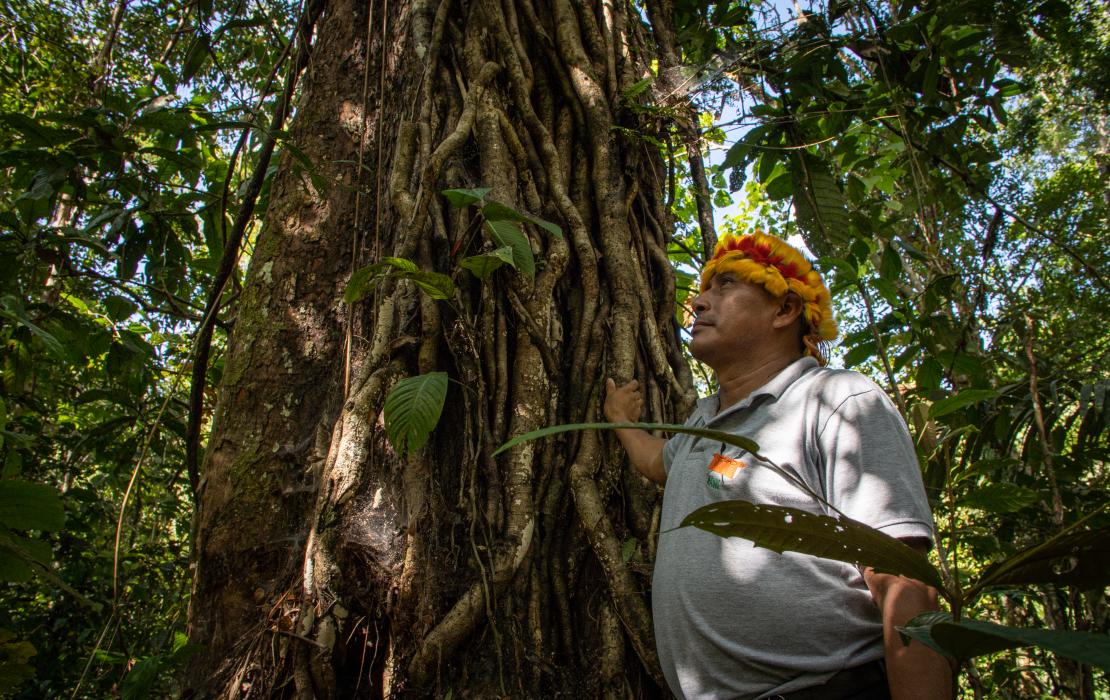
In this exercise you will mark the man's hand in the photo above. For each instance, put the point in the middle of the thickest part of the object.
(914, 670)
(624, 404)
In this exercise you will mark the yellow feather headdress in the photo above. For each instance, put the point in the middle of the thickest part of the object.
(779, 268)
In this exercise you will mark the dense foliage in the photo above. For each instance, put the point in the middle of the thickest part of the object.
(949, 163)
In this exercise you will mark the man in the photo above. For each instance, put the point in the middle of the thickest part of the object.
(736, 621)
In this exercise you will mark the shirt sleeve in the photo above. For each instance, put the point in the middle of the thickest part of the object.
(870, 465)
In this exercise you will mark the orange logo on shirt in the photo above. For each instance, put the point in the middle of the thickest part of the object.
(726, 466)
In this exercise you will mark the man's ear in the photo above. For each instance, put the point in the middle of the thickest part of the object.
(790, 309)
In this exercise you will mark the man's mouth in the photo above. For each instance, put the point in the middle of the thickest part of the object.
(699, 324)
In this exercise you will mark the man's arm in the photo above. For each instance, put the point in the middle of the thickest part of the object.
(623, 405)
(913, 670)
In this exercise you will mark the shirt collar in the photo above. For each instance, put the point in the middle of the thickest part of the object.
(774, 387)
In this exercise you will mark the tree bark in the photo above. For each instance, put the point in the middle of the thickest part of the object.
(327, 563)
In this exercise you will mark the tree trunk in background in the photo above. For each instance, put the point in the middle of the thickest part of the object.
(327, 565)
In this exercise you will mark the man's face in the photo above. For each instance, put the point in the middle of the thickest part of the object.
(732, 318)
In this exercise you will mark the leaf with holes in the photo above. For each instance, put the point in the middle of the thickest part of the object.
(412, 410)
(781, 529)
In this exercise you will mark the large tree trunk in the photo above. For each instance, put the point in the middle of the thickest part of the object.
(327, 564)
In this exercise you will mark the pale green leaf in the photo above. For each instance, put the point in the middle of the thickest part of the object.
(461, 198)
(412, 410)
(435, 284)
(483, 265)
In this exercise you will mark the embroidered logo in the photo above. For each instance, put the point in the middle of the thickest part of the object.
(722, 468)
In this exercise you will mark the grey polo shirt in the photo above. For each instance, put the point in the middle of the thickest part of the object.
(733, 620)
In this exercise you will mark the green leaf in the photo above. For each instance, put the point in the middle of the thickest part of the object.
(715, 435)
(964, 398)
(637, 87)
(506, 233)
(628, 549)
(929, 374)
(139, 681)
(363, 279)
(820, 205)
(496, 211)
(412, 410)
(27, 506)
(461, 198)
(967, 639)
(738, 154)
(891, 264)
(402, 264)
(483, 265)
(1002, 497)
(195, 57)
(435, 284)
(860, 353)
(119, 308)
(13, 310)
(1080, 559)
(18, 553)
(780, 528)
(14, 657)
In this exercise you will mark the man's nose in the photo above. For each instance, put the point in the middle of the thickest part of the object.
(699, 304)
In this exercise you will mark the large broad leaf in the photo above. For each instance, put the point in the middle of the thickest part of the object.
(27, 506)
(461, 198)
(964, 398)
(819, 203)
(1080, 559)
(1002, 497)
(780, 529)
(412, 410)
(967, 639)
(506, 233)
